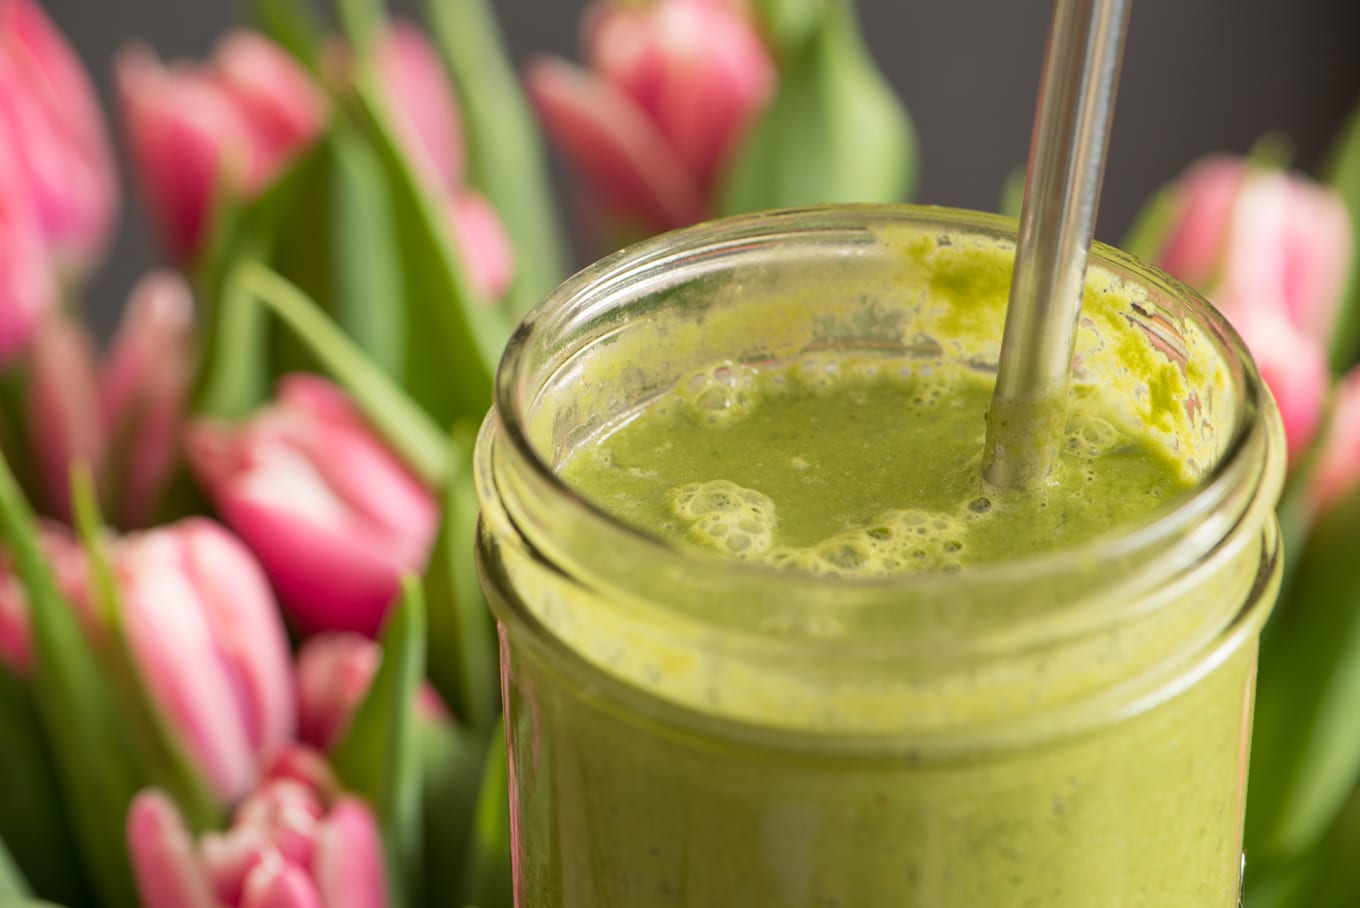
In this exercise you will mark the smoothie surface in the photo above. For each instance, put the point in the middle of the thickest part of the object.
(859, 468)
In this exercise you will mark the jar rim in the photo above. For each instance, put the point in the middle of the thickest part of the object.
(1256, 427)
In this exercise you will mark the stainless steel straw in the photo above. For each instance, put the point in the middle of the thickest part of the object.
(1026, 420)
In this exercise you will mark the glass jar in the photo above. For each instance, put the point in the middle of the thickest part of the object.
(1069, 728)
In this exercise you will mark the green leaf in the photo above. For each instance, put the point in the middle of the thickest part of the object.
(1012, 194)
(1148, 233)
(379, 755)
(1342, 173)
(462, 655)
(157, 751)
(789, 24)
(80, 721)
(361, 21)
(487, 876)
(233, 374)
(404, 425)
(835, 131)
(452, 759)
(506, 159)
(1327, 877)
(365, 279)
(1305, 756)
(451, 359)
(33, 821)
(12, 883)
(294, 25)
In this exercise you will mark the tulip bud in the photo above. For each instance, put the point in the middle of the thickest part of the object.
(204, 632)
(144, 388)
(429, 126)
(1270, 250)
(63, 407)
(50, 120)
(28, 287)
(331, 513)
(1338, 467)
(334, 672)
(425, 109)
(196, 131)
(286, 847)
(673, 87)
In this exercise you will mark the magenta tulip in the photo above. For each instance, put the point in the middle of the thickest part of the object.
(196, 131)
(1270, 250)
(330, 511)
(672, 88)
(289, 846)
(51, 124)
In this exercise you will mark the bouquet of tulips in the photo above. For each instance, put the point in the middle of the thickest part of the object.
(244, 659)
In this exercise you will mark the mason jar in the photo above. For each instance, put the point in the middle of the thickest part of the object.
(1068, 728)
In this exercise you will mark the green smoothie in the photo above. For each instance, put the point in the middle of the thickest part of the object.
(864, 471)
(769, 640)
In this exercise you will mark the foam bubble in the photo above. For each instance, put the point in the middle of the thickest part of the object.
(723, 393)
(726, 516)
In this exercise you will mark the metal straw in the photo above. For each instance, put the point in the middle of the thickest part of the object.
(1026, 421)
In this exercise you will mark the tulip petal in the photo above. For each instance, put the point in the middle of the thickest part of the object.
(348, 864)
(61, 144)
(613, 143)
(28, 286)
(483, 244)
(334, 671)
(163, 859)
(243, 619)
(1338, 466)
(181, 664)
(425, 110)
(277, 98)
(63, 407)
(276, 884)
(1195, 248)
(1294, 366)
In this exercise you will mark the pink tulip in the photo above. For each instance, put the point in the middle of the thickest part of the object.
(230, 126)
(144, 388)
(289, 846)
(673, 86)
(423, 104)
(429, 126)
(63, 407)
(204, 631)
(122, 416)
(1271, 251)
(334, 672)
(28, 286)
(333, 515)
(1337, 472)
(50, 120)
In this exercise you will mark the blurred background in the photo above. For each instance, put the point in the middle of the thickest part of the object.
(1199, 76)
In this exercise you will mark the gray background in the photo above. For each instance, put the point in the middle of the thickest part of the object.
(1199, 76)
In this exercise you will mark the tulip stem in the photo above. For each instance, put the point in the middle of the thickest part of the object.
(416, 437)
